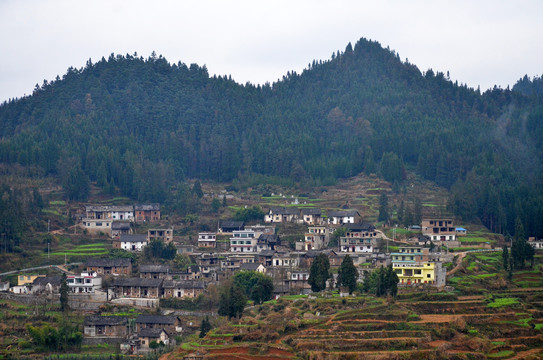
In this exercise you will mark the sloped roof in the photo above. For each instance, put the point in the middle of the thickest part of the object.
(53, 280)
(137, 282)
(269, 239)
(151, 332)
(133, 238)
(112, 208)
(315, 253)
(183, 284)
(266, 253)
(359, 227)
(155, 319)
(231, 224)
(120, 225)
(311, 211)
(154, 268)
(348, 213)
(94, 320)
(147, 207)
(249, 266)
(100, 262)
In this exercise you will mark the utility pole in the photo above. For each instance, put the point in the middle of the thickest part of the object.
(48, 223)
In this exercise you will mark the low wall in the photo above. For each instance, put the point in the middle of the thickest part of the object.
(152, 303)
(28, 299)
(102, 340)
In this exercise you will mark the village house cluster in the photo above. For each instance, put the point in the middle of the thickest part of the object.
(218, 255)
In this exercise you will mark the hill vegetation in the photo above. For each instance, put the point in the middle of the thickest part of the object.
(141, 127)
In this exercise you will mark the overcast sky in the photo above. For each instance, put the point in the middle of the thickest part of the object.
(481, 43)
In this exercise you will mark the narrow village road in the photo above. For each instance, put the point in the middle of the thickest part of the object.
(61, 267)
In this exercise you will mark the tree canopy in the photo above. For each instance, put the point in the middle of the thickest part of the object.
(319, 273)
(141, 127)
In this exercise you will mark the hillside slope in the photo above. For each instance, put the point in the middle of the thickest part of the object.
(139, 126)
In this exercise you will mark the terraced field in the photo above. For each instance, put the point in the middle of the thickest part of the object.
(491, 321)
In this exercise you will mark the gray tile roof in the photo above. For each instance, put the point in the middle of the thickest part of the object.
(147, 207)
(230, 224)
(151, 332)
(343, 213)
(249, 266)
(154, 268)
(113, 208)
(311, 211)
(359, 227)
(137, 282)
(155, 319)
(94, 320)
(133, 238)
(53, 280)
(269, 239)
(120, 225)
(99, 262)
(183, 284)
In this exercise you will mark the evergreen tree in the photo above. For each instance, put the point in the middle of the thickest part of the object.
(232, 300)
(215, 205)
(347, 274)
(197, 189)
(319, 273)
(505, 256)
(417, 216)
(64, 293)
(205, 327)
(383, 208)
(381, 282)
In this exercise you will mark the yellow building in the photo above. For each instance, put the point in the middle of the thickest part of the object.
(27, 279)
(410, 273)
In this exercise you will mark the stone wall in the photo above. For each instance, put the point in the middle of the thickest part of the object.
(30, 299)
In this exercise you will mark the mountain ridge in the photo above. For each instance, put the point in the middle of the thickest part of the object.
(139, 126)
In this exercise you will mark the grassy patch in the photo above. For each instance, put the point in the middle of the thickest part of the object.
(497, 303)
(501, 354)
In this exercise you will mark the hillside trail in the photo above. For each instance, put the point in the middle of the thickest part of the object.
(458, 266)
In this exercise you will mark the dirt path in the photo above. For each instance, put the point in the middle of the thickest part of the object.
(530, 354)
(458, 266)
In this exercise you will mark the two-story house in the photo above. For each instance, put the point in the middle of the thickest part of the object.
(85, 283)
(316, 238)
(243, 241)
(147, 213)
(439, 229)
(359, 238)
(343, 217)
(166, 235)
(413, 266)
(207, 240)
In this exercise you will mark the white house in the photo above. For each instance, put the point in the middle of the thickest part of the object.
(359, 238)
(122, 212)
(85, 283)
(243, 241)
(342, 217)
(207, 240)
(133, 242)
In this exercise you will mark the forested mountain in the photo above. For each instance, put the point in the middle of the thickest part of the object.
(141, 126)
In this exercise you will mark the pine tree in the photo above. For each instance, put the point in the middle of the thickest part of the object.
(197, 189)
(319, 273)
(204, 327)
(347, 274)
(505, 257)
(383, 208)
(64, 293)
